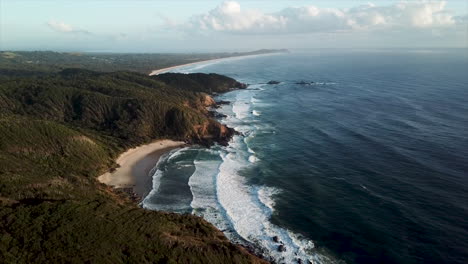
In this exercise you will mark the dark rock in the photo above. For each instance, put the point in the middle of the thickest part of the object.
(223, 102)
(241, 86)
(281, 248)
(304, 83)
(211, 132)
(216, 115)
(219, 115)
(273, 82)
(299, 261)
(220, 103)
(211, 113)
(275, 239)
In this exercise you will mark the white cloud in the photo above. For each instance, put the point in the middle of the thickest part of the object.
(230, 17)
(64, 28)
(59, 26)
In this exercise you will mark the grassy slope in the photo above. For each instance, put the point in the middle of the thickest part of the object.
(57, 133)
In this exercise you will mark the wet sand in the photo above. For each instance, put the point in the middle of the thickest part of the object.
(135, 165)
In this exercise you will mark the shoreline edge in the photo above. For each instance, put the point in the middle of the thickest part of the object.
(134, 166)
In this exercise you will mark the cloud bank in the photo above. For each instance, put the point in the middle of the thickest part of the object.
(61, 27)
(229, 17)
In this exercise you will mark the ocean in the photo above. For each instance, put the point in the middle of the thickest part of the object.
(355, 156)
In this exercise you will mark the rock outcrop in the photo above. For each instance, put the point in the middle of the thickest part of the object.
(211, 132)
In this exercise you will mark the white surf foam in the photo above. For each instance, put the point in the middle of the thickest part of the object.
(176, 202)
(223, 197)
(205, 202)
(176, 154)
(202, 184)
(255, 100)
(253, 159)
(249, 210)
(256, 113)
(241, 109)
(157, 175)
(265, 195)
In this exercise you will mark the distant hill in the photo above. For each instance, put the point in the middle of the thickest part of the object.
(59, 131)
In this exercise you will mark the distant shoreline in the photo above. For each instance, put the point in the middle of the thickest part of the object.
(135, 166)
(163, 70)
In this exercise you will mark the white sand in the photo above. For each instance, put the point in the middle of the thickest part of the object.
(156, 72)
(125, 176)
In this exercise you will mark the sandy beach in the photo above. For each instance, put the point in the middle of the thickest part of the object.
(163, 70)
(135, 165)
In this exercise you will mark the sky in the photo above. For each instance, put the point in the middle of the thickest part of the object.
(207, 25)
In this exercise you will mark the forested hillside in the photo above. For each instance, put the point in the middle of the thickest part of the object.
(59, 131)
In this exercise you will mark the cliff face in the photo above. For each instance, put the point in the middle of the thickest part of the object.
(211, 131)
(208, 101)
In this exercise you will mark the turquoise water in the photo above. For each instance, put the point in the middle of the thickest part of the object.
(355, 157)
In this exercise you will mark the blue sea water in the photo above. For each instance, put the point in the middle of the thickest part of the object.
(366, 161)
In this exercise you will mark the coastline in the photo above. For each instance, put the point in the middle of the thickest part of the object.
(164, 70)
(132, 175)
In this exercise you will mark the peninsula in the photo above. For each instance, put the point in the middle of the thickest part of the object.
(61, 130)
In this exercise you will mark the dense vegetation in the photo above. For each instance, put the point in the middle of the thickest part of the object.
(23, 63)
(129, 106)
(59, 131)
(199, 82)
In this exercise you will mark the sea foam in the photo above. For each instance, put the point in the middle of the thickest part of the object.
(222, 196)
(157, 175)
(248, 208)
(170, 162)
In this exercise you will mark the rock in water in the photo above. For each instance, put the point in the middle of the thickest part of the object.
(273, 82)
(222, 102)
(281, 248)
(304, 83)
